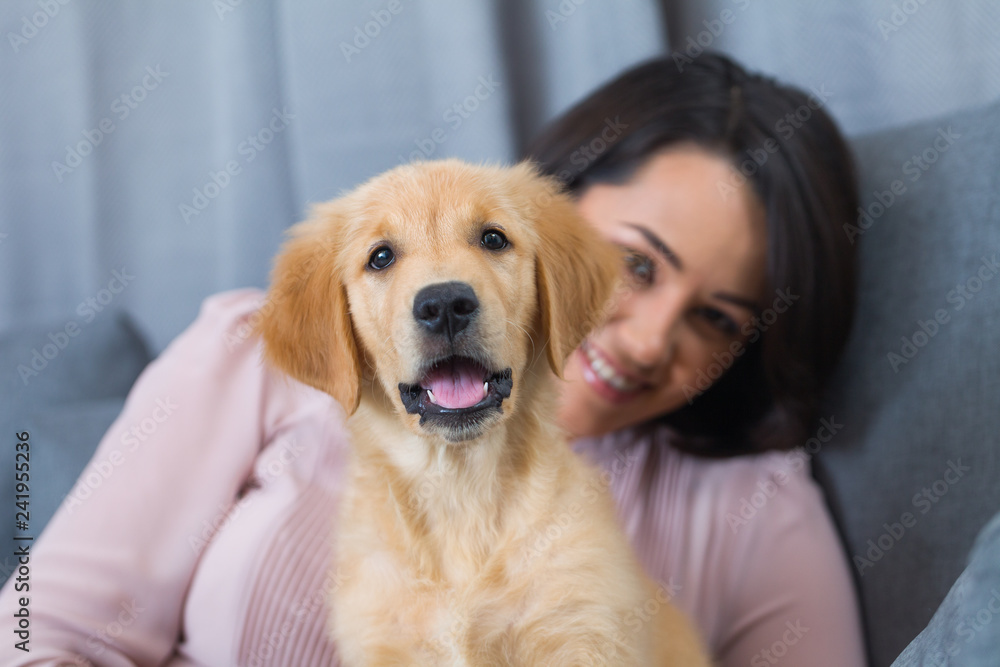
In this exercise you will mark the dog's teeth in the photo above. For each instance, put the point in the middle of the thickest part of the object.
(486, 387)
(430, 396)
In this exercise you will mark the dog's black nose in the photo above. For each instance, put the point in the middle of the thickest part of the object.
(445, 308)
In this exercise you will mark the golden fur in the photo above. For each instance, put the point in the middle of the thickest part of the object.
(495, 544)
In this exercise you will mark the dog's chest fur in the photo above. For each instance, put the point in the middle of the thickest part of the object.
(455, 557)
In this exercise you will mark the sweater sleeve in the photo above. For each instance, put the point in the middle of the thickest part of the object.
(791, 598)
(109, 574)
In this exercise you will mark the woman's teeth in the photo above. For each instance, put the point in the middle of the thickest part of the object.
(605, 371)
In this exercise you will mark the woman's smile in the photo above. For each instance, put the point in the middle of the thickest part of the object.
(606, 376)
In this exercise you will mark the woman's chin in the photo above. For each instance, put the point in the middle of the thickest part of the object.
(590, 406)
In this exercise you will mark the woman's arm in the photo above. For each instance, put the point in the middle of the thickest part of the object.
(110, 572)
(791, 599)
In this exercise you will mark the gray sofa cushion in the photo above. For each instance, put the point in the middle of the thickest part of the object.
(44, 365)
(65, 404)
(913, 474)
(964, 631)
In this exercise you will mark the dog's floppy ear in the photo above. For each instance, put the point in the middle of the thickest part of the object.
(305, 323)
(576, 270)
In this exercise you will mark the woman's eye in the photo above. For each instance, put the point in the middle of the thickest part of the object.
(640, 268)
(381, 258)
(494, 240)
(720, 321)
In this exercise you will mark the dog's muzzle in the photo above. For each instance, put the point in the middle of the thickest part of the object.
(458, 389)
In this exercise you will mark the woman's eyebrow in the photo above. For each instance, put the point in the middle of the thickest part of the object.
(672, 257)
(658, 244)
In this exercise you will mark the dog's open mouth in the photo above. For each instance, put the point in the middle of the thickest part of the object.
(455, 389)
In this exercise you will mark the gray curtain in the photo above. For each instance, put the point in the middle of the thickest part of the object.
(152, 153)
(884, 62)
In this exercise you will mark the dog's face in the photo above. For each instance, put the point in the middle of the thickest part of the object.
(444, 283)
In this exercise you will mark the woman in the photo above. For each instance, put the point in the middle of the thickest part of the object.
(203, 538)
(729, 192)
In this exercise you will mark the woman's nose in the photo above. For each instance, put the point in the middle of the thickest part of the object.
(650, 333)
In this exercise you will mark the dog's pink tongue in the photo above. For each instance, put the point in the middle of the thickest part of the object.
(456, 385)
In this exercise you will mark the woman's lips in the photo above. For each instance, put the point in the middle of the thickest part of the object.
(604, 377)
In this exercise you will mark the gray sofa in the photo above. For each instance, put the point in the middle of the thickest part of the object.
(912, 475)
(65, 397)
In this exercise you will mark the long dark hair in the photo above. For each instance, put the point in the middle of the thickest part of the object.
(793, 156)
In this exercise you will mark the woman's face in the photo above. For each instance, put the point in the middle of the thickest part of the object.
(694, 279)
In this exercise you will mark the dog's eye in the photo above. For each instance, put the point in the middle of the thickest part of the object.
(381, 258)
(494, 240)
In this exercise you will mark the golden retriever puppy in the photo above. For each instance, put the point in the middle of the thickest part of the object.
(436, 303)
